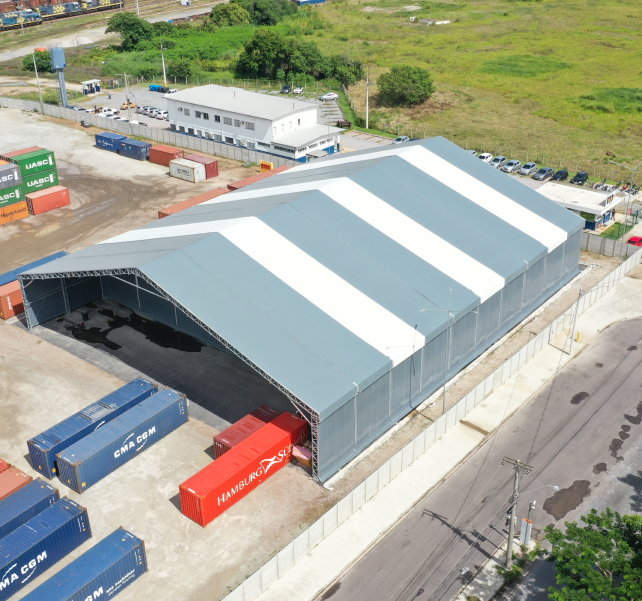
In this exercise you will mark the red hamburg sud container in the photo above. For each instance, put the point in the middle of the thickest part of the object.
(221, 484)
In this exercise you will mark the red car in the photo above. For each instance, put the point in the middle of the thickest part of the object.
(635, 241)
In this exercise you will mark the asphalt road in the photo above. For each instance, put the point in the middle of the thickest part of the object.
(576, 432)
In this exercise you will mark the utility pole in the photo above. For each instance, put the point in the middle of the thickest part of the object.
(129, 109)
(368, 99)
(35, 67)
(513, 511)
(163, 59)
(137, 9)
(577, 310)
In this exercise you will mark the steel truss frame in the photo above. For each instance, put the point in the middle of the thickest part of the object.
(311, 416)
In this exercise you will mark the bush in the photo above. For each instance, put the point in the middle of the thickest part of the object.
(43, 62)
(180, 69)
(405, 86)
(131, 29)
(228, 14)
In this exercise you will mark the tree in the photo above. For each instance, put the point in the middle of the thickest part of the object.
(267, 12)
(601, 560)
(181, 69)
(43, 62)
(229, 14)
(263, 55)
(346, 70)
(163, 28)
(405, 86)
(131, 29)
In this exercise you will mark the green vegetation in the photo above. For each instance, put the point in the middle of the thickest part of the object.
(523, 66)
(405, 86)
(131, 29)
(600, 560)
(519, 563)
(616, 231)
(43, 62)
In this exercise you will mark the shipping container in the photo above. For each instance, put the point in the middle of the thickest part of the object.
(109, 140)
(47, 200)
(211, 165)
(11, 480)
(12, 195)
(35, 162)
(4, 465)
(13, 212)
(24, 504)
(7, 156)
(44, 447)
(9, 176)
(256, 178)
(265, 413)
(11, 303)
(99, 454)
(11, 276)
(191, 202)
(235, 434)
(101, 573)
(39, 181)
(133, 149)
(43, 541)
(187, 170)
(162, 155)
(213, 490)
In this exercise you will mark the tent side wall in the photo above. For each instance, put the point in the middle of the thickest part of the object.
(349, 430)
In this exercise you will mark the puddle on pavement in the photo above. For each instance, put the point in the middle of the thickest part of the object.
(599, 365)
(567, 499)
(614, 447)
(598, 468)
(579, 397)
(635, 419)
(625, 428)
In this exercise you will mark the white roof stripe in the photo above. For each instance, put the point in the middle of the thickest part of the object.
(365, 318)
(486, 197)
(420, 241)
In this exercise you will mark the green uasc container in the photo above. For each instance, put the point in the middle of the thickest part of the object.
(9, 196)
(39, 181)
(35, 162)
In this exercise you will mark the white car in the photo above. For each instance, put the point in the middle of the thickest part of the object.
(329, 96)
(162, 115)
(401, 140)
(172, 91)
(140, 109)
(298, 90)
(486, 157)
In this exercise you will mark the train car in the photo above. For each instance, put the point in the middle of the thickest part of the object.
(90, 6)
(56, 11)
(16, 21)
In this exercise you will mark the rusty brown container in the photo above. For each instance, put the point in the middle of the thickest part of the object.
(191, 202)
(211, 165)
(162, 155)
(265, 413)
(8, 155)
(11, 480)
(47, 200)
(256, 178)
(17, 210)
(11, 302)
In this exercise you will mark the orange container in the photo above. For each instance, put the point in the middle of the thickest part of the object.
(47, 200)
(162, 155)
(17, 210)
(256, 178)
(4, 465)
(8, 155)
(191, 202)
(11, 480)
(11, 300)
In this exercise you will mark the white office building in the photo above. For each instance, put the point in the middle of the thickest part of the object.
(272, 124)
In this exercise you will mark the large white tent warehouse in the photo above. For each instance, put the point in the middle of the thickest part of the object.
(351, 283)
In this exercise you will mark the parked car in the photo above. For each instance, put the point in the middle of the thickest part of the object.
(543, 174)
(498, 162)
(473, 152)
(486, 157)
(162, 115)
(634, 241)
(329, 96)
(560, 176)
(512, 166)
(298, 90)
(140, 109)
(581, 177)
(132, 105)
(528, 169)
(401, 140)
(150, 110)
(76, 108)
(343, 123)
(286, 89)
(138, 123)
(173, 91)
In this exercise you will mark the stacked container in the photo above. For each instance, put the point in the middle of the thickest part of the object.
(187, 170)
(7, 156)
(38, 170)
(162, 155)
(242, 429)
(211, 165)
(191, 202)
(11, 196)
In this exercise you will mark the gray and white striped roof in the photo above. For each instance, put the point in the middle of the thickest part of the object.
(329, 274)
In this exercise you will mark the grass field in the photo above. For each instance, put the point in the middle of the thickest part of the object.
(616, 231)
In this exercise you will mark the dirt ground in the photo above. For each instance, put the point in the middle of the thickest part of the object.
(109, 194)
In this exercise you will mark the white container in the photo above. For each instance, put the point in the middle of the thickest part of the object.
(187, 170)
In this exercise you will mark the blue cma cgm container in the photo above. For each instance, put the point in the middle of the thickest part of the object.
(40, 543)
(99, 454)
(134, 149)
(109, 140)
(24, 504)
(44, 447)
(101, 573)
(12, 276)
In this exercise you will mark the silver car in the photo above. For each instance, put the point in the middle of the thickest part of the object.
(512, 166)
(528, 169)
(544, 173)
(498, 162)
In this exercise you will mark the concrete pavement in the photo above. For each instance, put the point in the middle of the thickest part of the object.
(461, 521)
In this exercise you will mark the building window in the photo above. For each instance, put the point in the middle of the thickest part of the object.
(227, 120)
(237, 123)
(250, 145)
(198, 114)
(217, 118)
(313, 145)
(229, 140)
(283, 149)
(190, 131)
(263, 144)
(172, 126)
(206, 116)
(199, 133)
(187, 112)
(181, 129)
(249, 126)
(218, 137)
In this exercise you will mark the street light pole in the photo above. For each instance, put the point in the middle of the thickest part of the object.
(163, 59)
(513, 512)
(129, 108)
(35, 67)
(577, 310)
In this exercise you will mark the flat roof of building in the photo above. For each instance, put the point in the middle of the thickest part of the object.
(306, 135)
(578, 198)
(243, 102)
